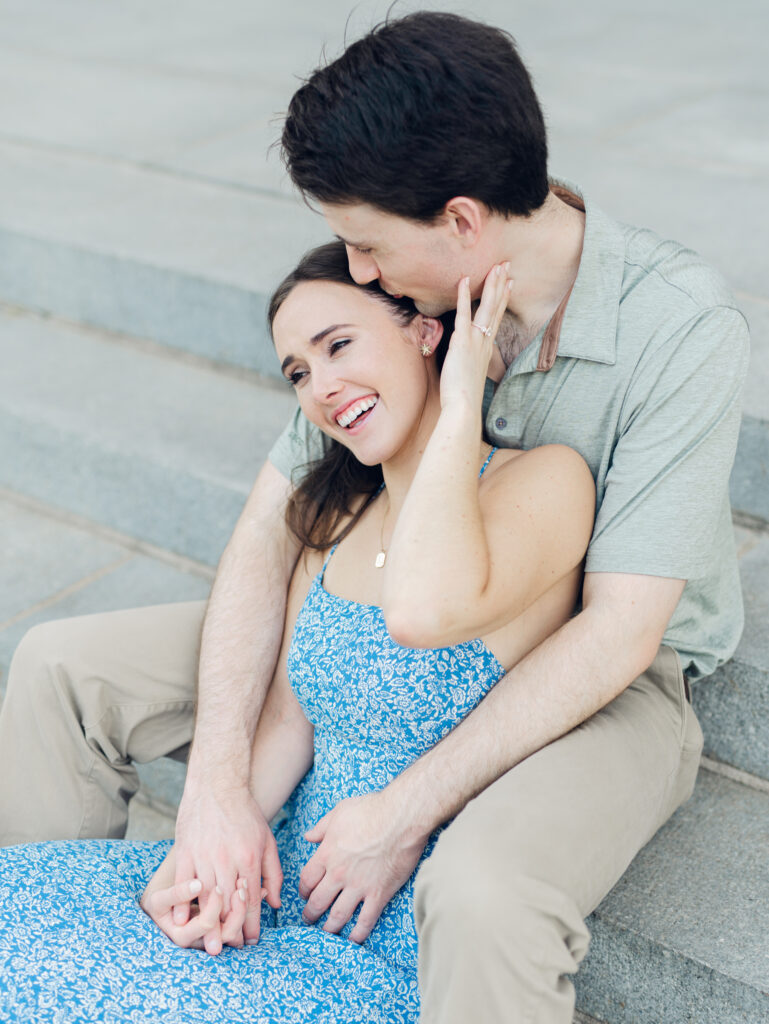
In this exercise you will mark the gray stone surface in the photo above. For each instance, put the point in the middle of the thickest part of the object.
(682, 937)
(757, 386)
(134, 439)
(183, 262)
(749, 484)
(733, 704)
(141, 580)
(152, 812)
(42, 557)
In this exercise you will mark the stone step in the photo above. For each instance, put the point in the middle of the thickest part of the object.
(183, 261)
(129, 436)
(749, 483)
(682, 936)
(733, 704)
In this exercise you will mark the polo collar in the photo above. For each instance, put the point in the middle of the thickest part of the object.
(585, 324)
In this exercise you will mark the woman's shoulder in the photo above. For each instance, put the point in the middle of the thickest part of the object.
(548, 463)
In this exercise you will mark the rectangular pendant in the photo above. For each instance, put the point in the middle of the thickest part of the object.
(380, 560)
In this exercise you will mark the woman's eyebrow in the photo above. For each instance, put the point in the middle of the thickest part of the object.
(315, 339)
(328, 330)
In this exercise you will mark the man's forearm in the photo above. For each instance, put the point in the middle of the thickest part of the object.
(241, 638)
(557, 686)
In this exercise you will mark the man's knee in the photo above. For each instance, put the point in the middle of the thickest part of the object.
(474, 896)
(44, 661)
(494, 943)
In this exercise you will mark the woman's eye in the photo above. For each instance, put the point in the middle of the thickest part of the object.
(296, 378)
(339, 343)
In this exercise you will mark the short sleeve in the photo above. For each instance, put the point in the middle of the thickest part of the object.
(666, 490)
(300, 444)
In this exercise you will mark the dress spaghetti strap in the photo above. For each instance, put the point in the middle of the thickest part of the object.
(489, 457)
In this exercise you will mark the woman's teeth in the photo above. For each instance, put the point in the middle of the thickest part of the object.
(352, 412)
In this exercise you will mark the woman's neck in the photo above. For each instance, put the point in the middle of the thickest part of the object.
(400, 470)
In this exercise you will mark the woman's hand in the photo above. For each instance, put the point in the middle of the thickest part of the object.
(204, 927)
(464, 370)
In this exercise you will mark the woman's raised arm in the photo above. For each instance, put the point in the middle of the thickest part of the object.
(466, 558)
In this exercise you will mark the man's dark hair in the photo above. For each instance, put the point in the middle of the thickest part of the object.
(423, 108)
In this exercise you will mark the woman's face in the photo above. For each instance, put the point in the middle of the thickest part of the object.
(358, 372)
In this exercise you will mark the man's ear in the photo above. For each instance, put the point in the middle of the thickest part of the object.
(429, 333)
(466, 218)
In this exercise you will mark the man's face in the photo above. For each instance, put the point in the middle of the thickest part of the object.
(422, 261)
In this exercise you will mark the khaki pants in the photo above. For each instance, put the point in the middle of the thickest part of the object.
(500, 903)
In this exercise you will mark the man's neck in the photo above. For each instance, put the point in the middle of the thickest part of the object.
(544, 252)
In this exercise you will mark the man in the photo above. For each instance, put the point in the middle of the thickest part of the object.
(425, 146)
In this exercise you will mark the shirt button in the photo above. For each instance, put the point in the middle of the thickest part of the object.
(500, 423)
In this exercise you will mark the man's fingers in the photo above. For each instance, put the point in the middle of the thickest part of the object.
(323, 895)
(232, 927)
(368, 917)
(272, 875)
(178, 895)
(312, 873)
(344, 907)
(252, 924)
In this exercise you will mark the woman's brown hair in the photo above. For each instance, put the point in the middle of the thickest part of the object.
(326, 489)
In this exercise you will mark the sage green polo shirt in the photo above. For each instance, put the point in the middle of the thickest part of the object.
(644, 380)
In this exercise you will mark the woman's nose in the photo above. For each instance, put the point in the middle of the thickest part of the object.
(325, 385)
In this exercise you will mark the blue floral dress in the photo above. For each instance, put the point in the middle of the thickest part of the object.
(76, 948)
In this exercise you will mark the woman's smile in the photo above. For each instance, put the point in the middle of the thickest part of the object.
(359, 372)
(354, 412)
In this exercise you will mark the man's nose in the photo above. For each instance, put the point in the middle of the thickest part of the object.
(362, 267)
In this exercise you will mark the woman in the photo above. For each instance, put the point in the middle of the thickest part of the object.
(432, 564)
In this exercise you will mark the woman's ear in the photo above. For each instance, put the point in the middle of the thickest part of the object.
(429, 334)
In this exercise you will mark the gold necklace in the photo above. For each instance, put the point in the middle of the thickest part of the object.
(380, 559)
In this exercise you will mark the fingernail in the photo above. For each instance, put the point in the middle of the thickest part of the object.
(242, 895)
(219, 891)
(243, 882)
(264, 893)
(195, 886)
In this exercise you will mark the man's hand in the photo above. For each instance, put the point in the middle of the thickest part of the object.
(366, 853)
(221, 838)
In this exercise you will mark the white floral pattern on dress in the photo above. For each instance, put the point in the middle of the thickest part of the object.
(76, 948)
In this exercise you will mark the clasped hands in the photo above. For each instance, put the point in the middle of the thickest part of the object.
(212, 899)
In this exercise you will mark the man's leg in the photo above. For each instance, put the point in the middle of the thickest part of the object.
(500, 903)
(86, 697)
